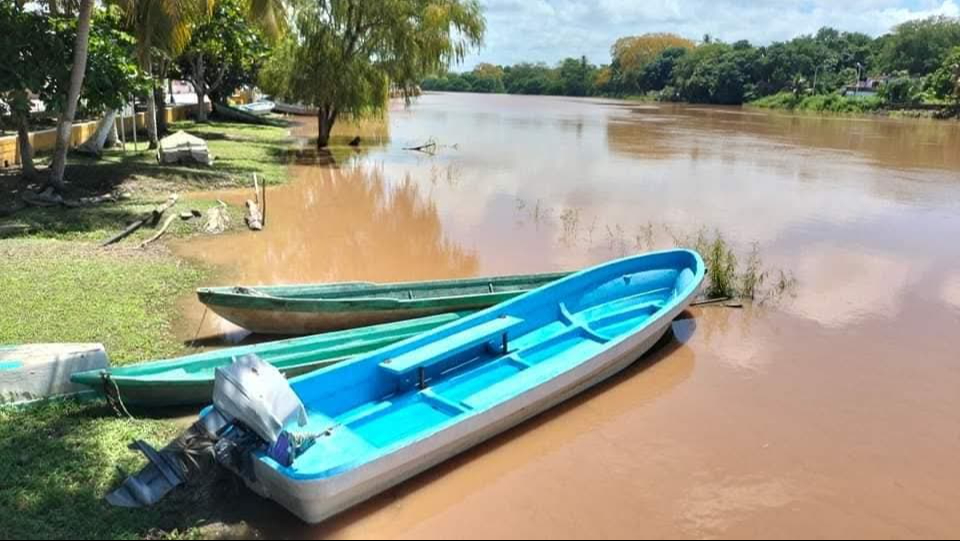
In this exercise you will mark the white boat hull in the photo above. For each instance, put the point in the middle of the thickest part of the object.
(316, 500)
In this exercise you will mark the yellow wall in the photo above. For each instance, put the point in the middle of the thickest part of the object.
(46, 140)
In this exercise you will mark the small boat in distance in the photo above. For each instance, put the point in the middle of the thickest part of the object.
(310, 309)
(258, 108)
(189, 380)
(295, 109)
(368, 424)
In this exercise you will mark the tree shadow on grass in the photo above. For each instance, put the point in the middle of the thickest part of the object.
(58, 461)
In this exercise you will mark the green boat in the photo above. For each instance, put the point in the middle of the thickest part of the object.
(309, 309)
(189, 380)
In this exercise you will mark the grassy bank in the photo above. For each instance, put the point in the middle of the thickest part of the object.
(141, 184)
(835, 104)
(69, 292)
(59, 459)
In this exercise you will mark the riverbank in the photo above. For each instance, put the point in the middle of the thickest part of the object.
(58, 460)
(835, 104)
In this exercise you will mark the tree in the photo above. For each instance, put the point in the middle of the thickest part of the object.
(945, 82)
(77, 70)
(576, 76)
(44, 44)
(224, 53)
(659, 73)
(920, 47)
(165, 25)
(630, 55)
(344, 55)
(39, 58)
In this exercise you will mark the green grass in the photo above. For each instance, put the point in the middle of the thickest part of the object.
(820, 103)
(96, 224)
(65, 292)
(59, 459)
(240, 150)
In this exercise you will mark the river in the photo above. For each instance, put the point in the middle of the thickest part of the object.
(833, 409)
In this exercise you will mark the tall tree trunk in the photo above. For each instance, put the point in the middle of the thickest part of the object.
(97, 141)
(199, 82)
(161, 104)
(201, 101)
(151, 110)
(326, 117)
(26, 149)
(65, 126)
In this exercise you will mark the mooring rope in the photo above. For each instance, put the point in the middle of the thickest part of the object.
(193, 343)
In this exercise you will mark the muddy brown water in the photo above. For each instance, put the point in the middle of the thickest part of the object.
(832, 412)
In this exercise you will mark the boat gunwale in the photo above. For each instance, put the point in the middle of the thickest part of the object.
(676, 304)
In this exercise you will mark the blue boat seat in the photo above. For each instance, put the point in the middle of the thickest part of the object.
(444, 348)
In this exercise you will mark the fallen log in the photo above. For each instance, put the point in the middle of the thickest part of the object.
(166, 225)
(217, 219)
(253, 218)
(152, 217)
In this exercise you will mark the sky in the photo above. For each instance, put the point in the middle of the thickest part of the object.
(550, 30)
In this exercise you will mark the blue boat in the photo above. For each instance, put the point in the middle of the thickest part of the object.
(388, 415)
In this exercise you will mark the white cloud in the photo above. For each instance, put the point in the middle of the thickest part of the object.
(550, 30)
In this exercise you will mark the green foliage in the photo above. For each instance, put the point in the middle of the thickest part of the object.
(571, 77)
(225, 51)
(716, 73)
(576, 77)
(820, 103)
(902, 89)
(945, 82)
(342, 56)
(43, 46)
(920, 47)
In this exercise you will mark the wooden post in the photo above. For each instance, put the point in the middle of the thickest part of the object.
(133, 109)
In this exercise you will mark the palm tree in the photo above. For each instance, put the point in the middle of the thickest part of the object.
(167, 25)
(65, 124)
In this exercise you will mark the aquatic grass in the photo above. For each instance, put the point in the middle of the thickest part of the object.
(727, 277)
(67, 292)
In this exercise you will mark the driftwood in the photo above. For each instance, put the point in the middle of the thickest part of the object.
(430, 147)
(217, 219)
(166, 225)
(254, 217)
(153, 217)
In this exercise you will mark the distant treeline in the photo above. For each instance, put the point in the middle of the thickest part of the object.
(918, 62)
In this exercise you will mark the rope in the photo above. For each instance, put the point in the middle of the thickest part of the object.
(193, 343)
(112, 392)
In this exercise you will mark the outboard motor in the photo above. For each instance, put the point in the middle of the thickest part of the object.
(252, 405)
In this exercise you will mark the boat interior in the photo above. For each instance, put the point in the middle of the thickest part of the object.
(404, 291)
(397, 395)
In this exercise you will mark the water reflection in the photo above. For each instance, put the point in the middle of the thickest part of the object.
(332, 225)
(845, 393)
